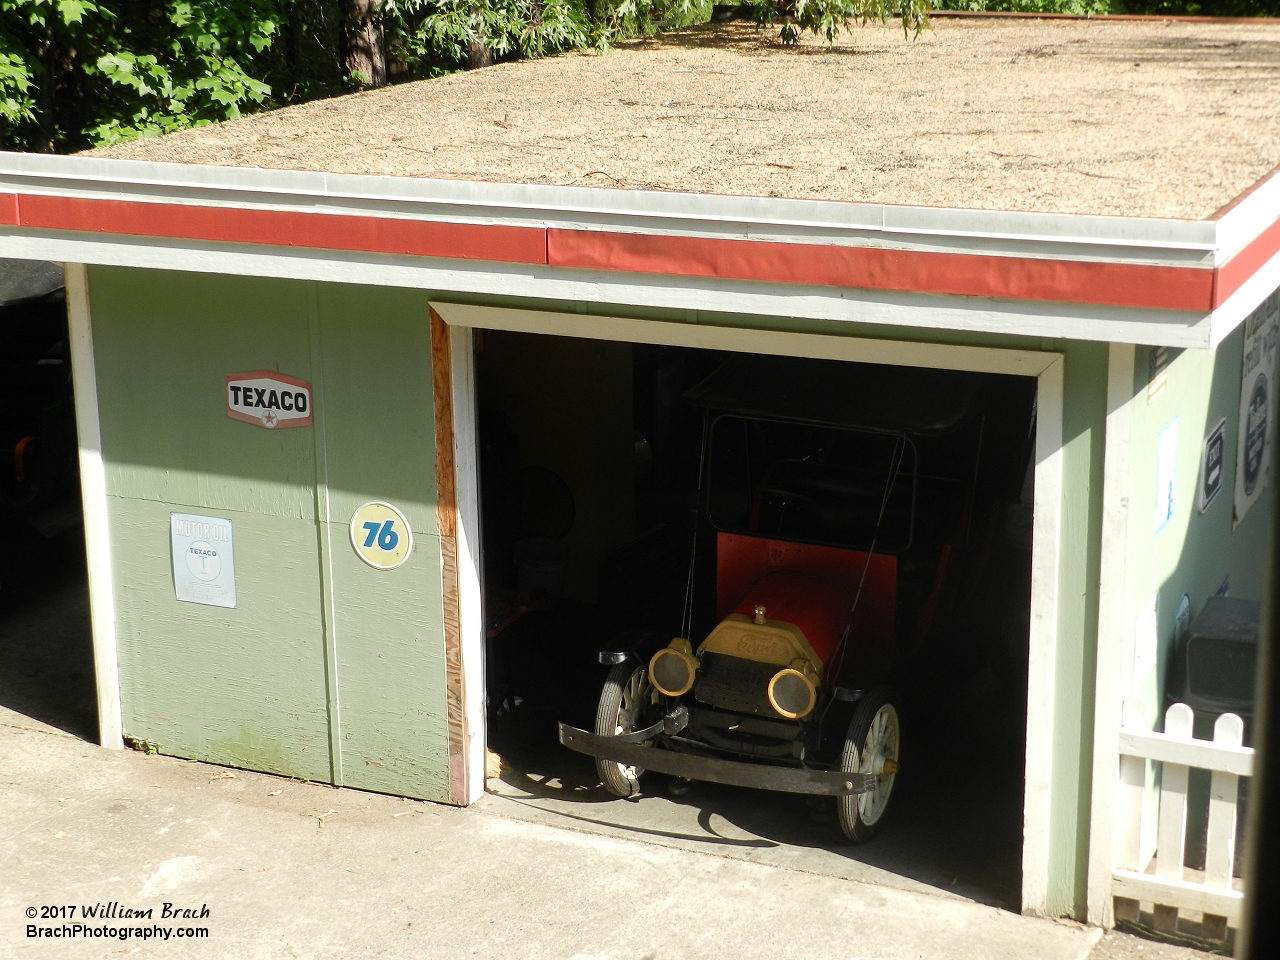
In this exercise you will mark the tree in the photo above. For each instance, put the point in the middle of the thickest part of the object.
(76, 72)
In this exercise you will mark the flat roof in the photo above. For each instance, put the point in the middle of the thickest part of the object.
(1126, 118)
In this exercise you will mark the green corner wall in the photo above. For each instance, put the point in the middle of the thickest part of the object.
(328, 669)
(1194, 553)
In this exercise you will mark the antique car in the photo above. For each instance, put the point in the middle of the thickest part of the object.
(847, 505)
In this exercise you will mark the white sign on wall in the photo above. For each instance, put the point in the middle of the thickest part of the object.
(1257, 406)
(268, 399)
(204, 566)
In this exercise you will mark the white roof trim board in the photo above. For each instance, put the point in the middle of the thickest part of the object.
(1199, 245)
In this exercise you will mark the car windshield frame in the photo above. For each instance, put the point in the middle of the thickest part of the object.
(910, 453)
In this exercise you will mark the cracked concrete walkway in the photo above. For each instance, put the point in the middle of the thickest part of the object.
(292, 869)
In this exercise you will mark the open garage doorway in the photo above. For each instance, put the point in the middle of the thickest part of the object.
(607, 468)
(46, 647)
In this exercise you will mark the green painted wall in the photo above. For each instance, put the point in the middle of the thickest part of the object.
(327, 669)
(1194, 552)
(378, 433)
(1084, 439)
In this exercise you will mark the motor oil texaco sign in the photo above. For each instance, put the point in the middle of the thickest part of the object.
(268, 399)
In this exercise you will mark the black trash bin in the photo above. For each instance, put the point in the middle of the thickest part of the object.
(1212, 671)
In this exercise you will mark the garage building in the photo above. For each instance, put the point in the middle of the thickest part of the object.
(290, 327)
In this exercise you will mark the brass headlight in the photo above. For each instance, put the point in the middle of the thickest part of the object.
(792, 694)
(672, 670)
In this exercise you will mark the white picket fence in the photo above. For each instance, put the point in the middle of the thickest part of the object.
(1163, 882)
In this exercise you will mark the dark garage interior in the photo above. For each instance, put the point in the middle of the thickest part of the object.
(46, 648)
(606, 467)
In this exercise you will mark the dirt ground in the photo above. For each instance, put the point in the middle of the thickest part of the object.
(1116, 945)
(1147, 119)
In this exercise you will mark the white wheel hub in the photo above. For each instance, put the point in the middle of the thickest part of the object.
(635, 696)
(880, 758)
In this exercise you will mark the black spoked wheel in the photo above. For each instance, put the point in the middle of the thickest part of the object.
(625, 700)
(872, 745)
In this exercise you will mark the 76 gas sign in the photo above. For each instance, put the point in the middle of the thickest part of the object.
(381, 535)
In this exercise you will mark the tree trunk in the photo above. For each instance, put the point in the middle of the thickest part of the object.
(478, 55)
(293, 45)
(366, 59)
(46, 96)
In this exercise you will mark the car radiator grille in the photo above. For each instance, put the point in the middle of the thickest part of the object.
(732, 683)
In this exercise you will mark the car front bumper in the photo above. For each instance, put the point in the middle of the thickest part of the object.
(694, 766)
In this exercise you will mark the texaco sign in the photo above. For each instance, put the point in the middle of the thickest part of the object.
(268, 399)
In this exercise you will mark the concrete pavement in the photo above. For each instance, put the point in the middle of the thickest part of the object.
(298, 870)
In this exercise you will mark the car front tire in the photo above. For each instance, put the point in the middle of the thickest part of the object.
(874, 738)
(625, 702)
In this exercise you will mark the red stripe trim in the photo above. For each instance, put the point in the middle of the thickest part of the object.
(1072, 281)
(1233, 273)
(1018, 278)
(286, 228)
(9, 209)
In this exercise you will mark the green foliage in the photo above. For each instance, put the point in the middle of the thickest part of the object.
(1195, 8)
(826, 18)
(16, 105)
(1079, 7)
(427, 29)
(78, 72)
(1086, 8)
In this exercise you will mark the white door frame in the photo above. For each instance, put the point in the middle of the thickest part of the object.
(1113, 592)
(1046, 367)
(93, 493)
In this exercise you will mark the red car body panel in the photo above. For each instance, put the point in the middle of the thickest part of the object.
(812, 587)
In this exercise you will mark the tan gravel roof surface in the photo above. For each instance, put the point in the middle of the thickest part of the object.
(1157, 119)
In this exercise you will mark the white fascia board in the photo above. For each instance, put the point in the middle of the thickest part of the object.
(1248, 218)
(1063, 227)
(1244, 301)
(1042, 235)
(455, 278)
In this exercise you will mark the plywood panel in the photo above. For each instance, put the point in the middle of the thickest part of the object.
(243, 686)
(391, 674)
(376, 389)
(164, 343)
(376, 392)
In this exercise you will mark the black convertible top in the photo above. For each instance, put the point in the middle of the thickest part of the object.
(839, 393)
